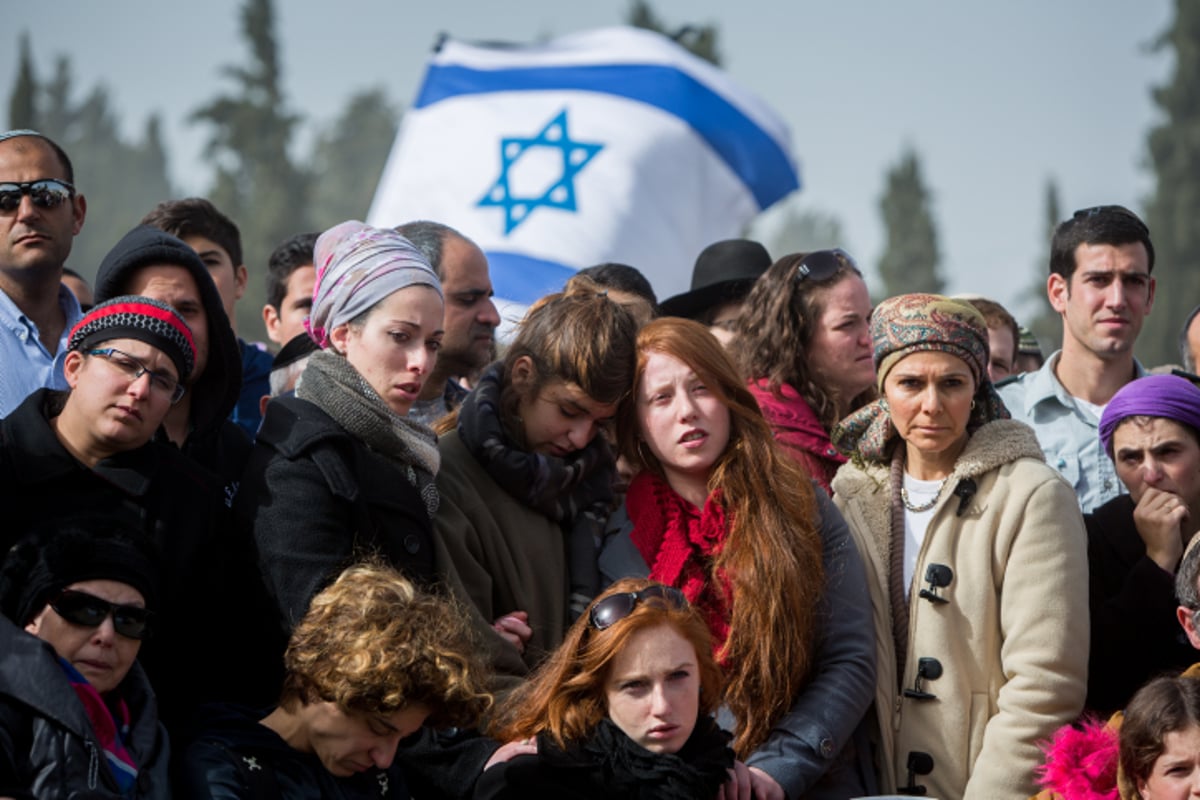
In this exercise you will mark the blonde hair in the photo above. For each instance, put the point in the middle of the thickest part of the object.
(373, 642)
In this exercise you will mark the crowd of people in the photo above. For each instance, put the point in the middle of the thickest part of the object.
(763, 539)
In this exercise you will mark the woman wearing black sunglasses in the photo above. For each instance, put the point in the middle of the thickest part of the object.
(804, 344)
(623, 708)
(77, 715)
(720, 512)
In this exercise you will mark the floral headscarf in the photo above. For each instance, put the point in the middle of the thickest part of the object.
(912, 323)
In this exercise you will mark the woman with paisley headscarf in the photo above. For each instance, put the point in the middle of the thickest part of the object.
(340, 469)
(976, 557)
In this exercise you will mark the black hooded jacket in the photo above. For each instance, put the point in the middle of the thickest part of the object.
(214, 441)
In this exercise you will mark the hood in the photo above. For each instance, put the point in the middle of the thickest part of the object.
(215, 394)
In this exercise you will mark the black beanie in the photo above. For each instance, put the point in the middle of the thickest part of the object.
(45, 562)
(141, 318)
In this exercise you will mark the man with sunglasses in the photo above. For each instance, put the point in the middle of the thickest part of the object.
(40, 215)
(1100, 284)
(77, 713)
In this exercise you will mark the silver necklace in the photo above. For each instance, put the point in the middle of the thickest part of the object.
(924, 506)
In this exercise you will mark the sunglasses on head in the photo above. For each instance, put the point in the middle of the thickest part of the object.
(616, 607)
(46, 193)
(89, 611)
(822, 264)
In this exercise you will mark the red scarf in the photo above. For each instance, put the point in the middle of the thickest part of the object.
(681, 545)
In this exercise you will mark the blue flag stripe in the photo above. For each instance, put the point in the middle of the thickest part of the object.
(523, 279)
(753, 155)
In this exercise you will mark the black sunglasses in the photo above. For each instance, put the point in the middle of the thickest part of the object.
(822, 264)
(617, 607)
(89, 611)
(46, 193)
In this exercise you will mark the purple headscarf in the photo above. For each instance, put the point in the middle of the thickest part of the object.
(357, 266)
(1167, 396)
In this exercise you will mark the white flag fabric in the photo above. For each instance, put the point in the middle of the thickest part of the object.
(608, 145)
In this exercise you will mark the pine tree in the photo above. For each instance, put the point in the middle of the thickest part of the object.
(701, 40)
(910, 260)
(349, 157)
(1041, 318)
(1174, 207)
(256, 184)
(22, 102)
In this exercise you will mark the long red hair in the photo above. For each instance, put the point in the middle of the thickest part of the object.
(565, 698)
(772, 553)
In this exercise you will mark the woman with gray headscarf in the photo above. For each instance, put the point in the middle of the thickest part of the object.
(340, 469)
(976, 561)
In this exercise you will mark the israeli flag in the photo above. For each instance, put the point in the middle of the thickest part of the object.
(608, 145)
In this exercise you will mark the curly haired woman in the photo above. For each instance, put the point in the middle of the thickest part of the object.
(372, 661)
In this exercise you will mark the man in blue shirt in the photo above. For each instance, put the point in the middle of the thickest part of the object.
(1100, 284)
(40, 214)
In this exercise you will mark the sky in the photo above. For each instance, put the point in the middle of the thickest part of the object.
(995, 97)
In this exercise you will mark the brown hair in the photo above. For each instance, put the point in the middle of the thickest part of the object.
(565, 698)
(577, 336)
(373, 642)
(772, 551)
(1163, 706)
(775, 331)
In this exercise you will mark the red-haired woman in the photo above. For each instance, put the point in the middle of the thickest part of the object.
(623, 708)
(719, 512)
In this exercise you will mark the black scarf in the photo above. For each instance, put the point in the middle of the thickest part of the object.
(576, 491)
(628, 770)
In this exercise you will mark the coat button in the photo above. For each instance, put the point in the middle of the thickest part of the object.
(827, 748)
(412, 544)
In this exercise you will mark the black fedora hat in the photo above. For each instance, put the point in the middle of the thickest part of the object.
(724, 273)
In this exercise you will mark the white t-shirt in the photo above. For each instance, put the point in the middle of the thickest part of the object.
(916, 523)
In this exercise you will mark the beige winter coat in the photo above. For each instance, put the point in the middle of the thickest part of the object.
(1012, 641)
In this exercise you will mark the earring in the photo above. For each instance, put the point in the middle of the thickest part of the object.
(972, 404)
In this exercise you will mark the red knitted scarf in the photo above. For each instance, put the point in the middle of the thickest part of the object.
(680, 546)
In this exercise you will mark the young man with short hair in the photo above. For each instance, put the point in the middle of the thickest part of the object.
(1100, 284)
(217, 241)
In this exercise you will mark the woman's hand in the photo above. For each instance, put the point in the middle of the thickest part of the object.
(738, 785)
(515, 629)
(1159, 517)
(764, 786)
(506, 752)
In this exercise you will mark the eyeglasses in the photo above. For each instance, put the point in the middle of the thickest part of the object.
(822, 264)
(89, 611)
(616, 607)
(134, 369)
(45, 193)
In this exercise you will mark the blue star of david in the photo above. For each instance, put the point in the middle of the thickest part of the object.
(559, 194)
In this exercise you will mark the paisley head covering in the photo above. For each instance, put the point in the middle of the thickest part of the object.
(912, 323)
(357, 266)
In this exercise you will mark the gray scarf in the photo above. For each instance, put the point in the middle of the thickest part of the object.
(333, 385)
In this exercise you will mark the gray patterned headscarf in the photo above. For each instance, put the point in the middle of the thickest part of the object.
(357, 266)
